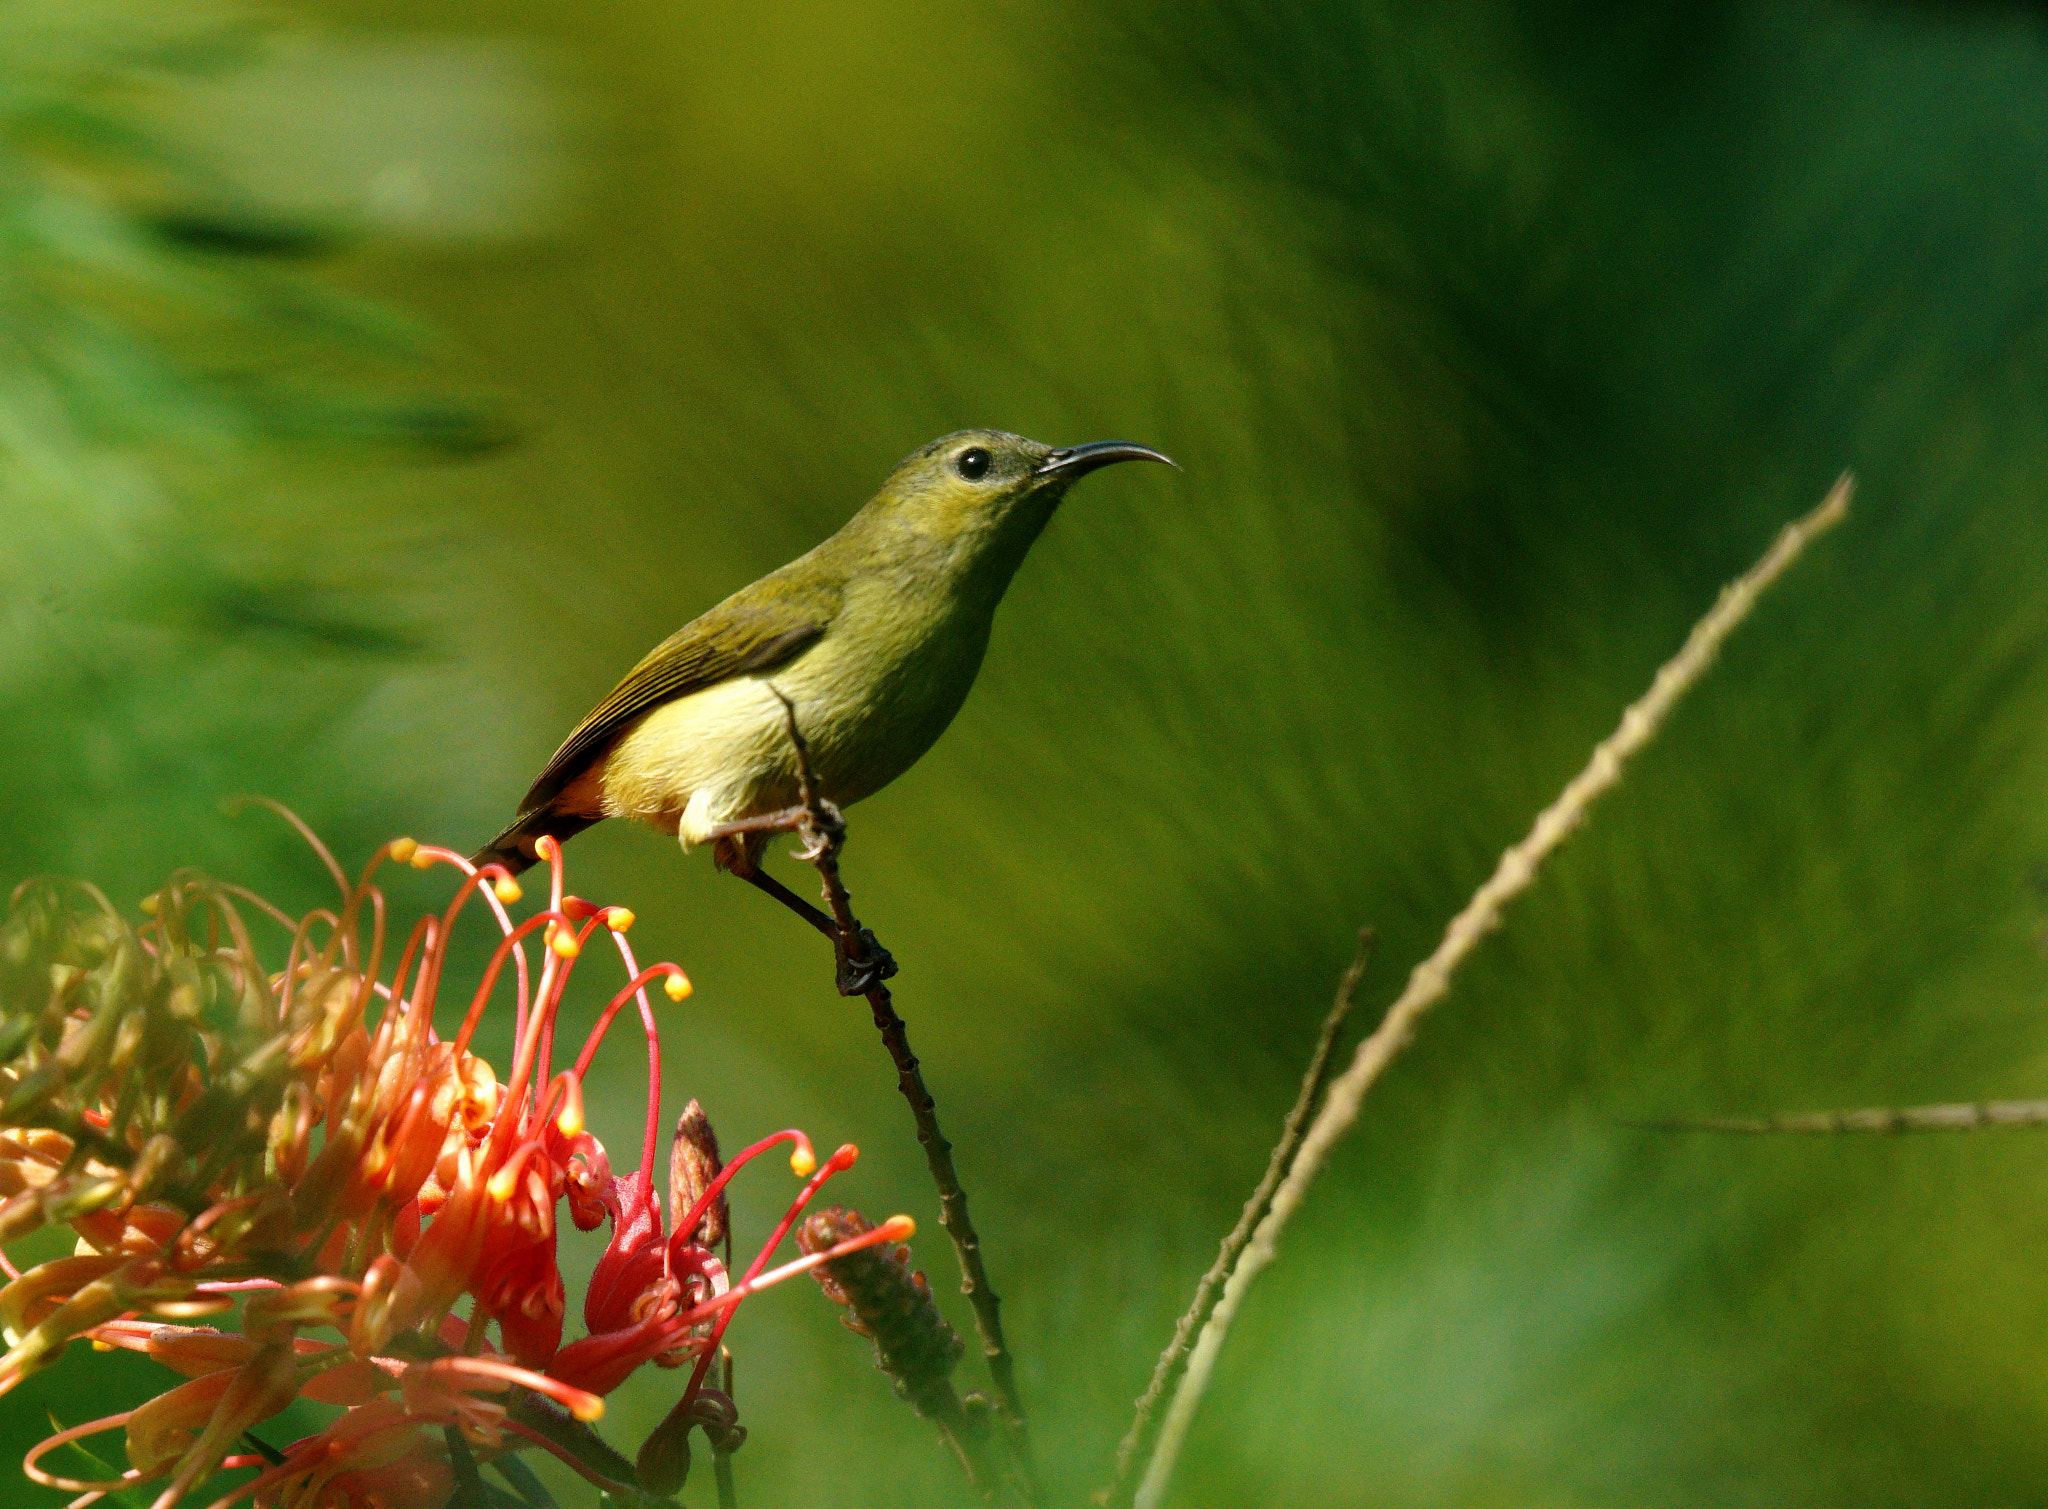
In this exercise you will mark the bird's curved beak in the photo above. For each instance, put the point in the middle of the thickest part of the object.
(1079, 460)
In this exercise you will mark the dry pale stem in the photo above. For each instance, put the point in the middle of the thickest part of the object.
(1432, 977)
(1963, 1117)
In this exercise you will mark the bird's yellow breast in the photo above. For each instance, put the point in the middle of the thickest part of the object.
(870, 698)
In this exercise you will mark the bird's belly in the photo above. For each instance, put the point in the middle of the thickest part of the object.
(692, 763)
(724, 753)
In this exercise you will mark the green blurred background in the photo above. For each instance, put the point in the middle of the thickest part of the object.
(377, 382)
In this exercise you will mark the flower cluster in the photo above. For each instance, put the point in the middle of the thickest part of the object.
(302, 1159)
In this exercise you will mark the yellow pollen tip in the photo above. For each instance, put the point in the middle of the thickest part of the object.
(588, 1408)
(900, 1228)
(802, 1163)
(149, 905)
(618, 918)
(546, 847)
(570, 1122)
(678, 987)
(422, 860)
(506, 889)
(503, 1182)
(402, 849)
(563, 941)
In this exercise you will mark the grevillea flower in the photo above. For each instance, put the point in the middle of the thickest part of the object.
(304, 1158)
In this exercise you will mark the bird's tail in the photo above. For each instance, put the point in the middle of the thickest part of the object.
(514, 847)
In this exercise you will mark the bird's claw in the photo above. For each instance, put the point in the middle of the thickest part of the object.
(822, 827)
(859, 976)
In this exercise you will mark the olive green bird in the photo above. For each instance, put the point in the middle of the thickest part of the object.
(874, 638)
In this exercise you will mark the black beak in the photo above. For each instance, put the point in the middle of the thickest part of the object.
(1079, 460)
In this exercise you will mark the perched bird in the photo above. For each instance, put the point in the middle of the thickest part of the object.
(874, 638)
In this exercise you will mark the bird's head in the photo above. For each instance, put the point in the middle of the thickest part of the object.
(974, 492)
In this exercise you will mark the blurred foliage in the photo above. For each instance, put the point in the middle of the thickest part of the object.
(164, 352)
(1491, 337)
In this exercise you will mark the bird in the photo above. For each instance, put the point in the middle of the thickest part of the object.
(867, 645)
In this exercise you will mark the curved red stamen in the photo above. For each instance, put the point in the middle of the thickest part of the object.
(635, 988)
(301, 940)
(66, 1437)
(235, 804)
(895, 1229)
(534, 1046)
(430, 976)
(494, 873)
(650, 1135)
(269, 908)
(415, 943)
(492, 970)
(564, 1087)
(842, 1159)
(741, 1160)
(549, 848)
(361, 1003)
(584, 1406)
(545, 1016)
(504, 919)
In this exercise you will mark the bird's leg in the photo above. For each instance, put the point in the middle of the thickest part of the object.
(860, 966)
(762, 881)
(863, 963)
(787, 820)
(729, 847)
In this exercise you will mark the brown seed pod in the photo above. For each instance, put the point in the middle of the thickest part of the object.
(693, 1162)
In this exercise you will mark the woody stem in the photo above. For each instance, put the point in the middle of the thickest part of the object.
(825, 835)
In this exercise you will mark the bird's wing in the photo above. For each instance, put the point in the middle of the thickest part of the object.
(739, 637)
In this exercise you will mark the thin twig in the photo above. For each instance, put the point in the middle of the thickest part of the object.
(967, 1445)
(1946, 1118)
(1312, 1082)
(1432, 977)
(824, 833)
(721, 1444)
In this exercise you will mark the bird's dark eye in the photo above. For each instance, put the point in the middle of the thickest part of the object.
(973, 464)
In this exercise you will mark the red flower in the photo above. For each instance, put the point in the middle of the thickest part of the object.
(329, 1130)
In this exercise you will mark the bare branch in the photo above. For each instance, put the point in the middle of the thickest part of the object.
(1431, 979)
(823, 829)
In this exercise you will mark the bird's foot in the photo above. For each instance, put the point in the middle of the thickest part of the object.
(822, 826)
(823, 829)
(788, 820)
(859, 976)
